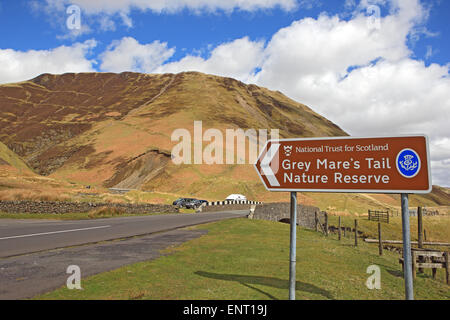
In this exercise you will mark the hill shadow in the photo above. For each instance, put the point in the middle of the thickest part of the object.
(395, 273)
(249, 281)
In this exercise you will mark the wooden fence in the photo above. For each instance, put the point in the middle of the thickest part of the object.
(343, 231)
(323, 226)
(432, 259)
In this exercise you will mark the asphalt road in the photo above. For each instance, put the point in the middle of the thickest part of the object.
(19, 237)
(26, 276)
(35, 254)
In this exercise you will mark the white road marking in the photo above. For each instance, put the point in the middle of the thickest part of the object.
(53, 232)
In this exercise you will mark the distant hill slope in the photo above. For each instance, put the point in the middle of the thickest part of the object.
(114, 130)
(10, 160)
(439, 195)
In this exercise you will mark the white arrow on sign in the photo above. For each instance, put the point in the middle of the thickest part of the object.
(265, 165)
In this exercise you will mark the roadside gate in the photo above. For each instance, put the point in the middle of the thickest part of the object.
(380, 216)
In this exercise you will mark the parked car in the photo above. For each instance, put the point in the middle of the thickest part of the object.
(178, 202)
(188, 203)
(191, 204)
(181, 202)
(236, 197)
(195, 204)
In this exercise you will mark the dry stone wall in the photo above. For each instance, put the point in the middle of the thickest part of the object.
(76, 207)
(279, 211)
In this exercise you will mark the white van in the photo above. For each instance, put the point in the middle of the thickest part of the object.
(236, 197)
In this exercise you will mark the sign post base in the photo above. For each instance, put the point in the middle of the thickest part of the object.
(293, 247)
(409, 292)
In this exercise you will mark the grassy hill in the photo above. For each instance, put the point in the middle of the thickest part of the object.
(114, 130)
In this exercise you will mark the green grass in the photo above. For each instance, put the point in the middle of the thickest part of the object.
(249, 259)
(437, 227)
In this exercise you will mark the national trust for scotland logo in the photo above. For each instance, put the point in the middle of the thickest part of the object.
(287, 150)
(408, 163)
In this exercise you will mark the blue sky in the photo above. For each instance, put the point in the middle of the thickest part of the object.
(370, 74)
(24, 27)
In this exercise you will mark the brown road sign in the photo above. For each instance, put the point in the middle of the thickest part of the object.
(347, 164)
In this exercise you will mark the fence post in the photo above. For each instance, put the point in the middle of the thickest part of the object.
(380, 241)
(339, 223)
(419, 227)
(356, 233)
(419, 235)
(433, 273)
(326, 224)
(316, 222)
(447, 267)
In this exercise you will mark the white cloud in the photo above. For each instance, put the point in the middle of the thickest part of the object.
(429, 52)
(325, 46)
(440, 152)
(128, 54)
(309, 4)
(237, 59)
(126, 20)
(349, 4)
(171, 6)
(106, 23)
(121, 8)
(19, 65)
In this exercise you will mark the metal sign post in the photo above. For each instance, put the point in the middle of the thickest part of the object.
(407, 260)
(293, 247)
